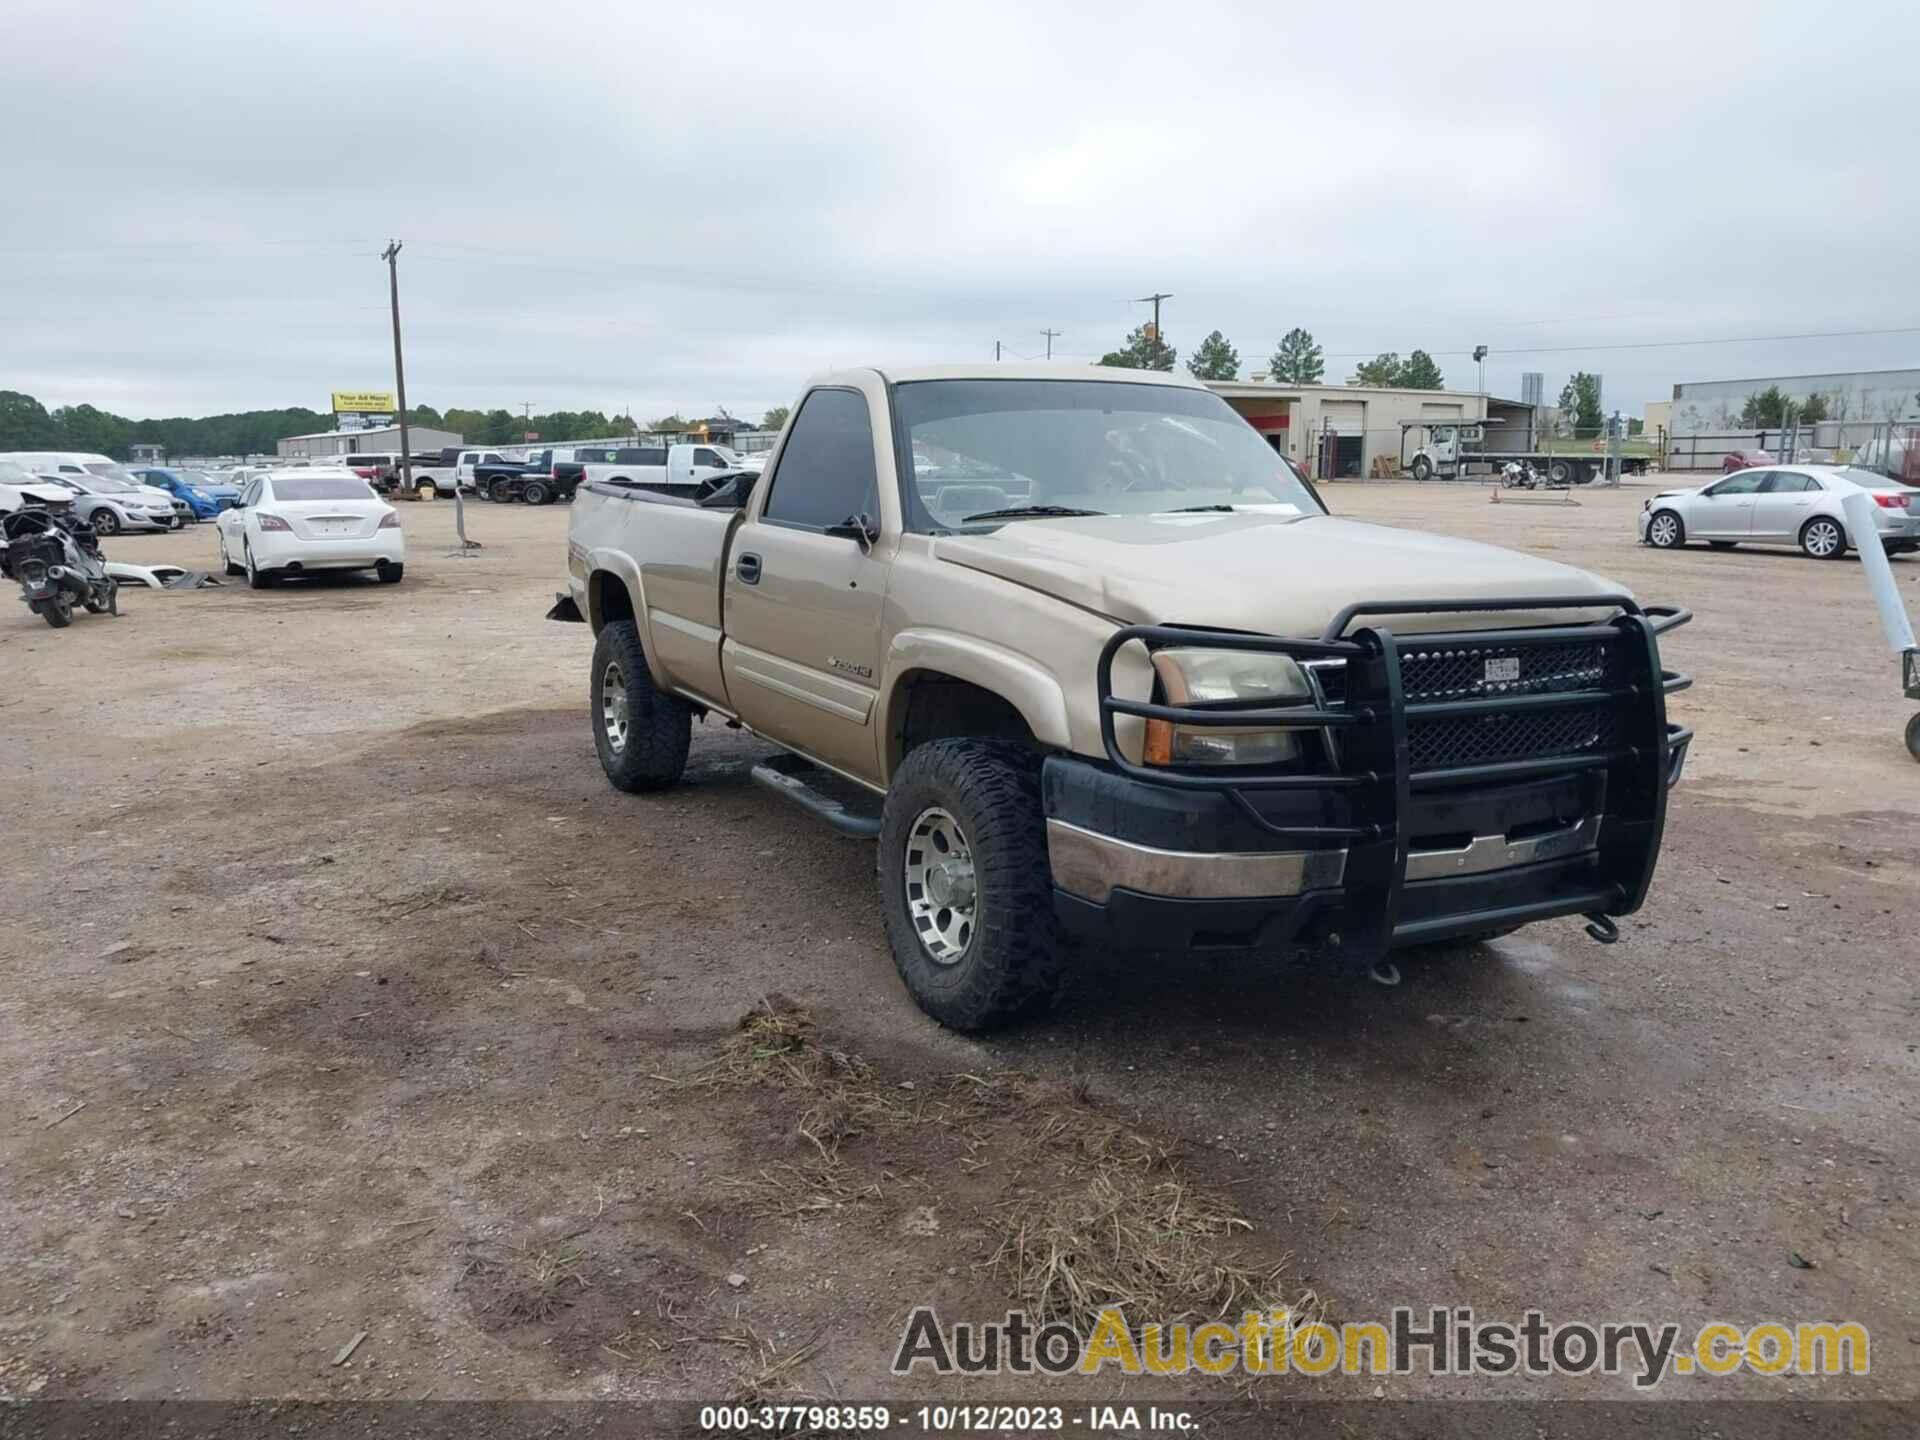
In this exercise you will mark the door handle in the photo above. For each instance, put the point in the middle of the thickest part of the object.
(747, 567)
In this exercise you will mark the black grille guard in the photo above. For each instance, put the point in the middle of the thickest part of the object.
(1370, 761)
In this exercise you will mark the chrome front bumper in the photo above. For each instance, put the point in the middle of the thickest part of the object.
(1092, 866)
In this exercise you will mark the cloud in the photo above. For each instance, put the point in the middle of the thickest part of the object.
(607, 205)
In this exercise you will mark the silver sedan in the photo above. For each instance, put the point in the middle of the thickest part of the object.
(1782, 505)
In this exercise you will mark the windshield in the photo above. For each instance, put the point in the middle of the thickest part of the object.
(12, 474)
(110, 484)
(107, 470)
(321, 489)
(1107, 447)
(196, 477)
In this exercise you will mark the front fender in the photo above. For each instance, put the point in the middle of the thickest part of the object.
(1014, 677)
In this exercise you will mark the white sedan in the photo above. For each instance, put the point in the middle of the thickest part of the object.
(1782, 505)
(292, 522)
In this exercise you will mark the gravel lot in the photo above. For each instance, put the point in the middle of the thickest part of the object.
(344, 994)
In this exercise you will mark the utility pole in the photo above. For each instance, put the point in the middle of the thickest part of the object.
(996, 351)
(1051, 336)
(392, 256)
(1154, 300)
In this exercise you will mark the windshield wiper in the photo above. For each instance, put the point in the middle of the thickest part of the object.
(1024, 512)
(1195, 509)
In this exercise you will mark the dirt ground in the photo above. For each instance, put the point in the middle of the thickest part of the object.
(343, 994)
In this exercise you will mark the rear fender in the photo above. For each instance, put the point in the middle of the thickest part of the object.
(605, 567)
(1015, 678)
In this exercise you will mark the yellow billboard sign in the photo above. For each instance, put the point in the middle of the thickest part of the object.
(364, 402)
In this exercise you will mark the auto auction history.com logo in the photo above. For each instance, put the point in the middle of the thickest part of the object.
(1440, 1341)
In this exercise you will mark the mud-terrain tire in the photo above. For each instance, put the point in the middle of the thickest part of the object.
(1008, 963)
(642, 734)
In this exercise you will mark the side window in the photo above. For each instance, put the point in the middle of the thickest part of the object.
(252, 495)
(1745, 483)
(1784, 482)
(704, 456)
(826, 471)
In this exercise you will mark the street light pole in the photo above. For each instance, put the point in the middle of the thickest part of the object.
(1051, 335)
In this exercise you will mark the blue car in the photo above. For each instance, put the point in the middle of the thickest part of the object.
(204, 497)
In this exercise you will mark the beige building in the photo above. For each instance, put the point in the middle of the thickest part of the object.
(1350, 431)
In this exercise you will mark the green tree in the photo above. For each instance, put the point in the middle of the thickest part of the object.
(1381, 370)
(1214, 359)
(667, 424)
(776, 418)
(84, 427)
(1765, 410)
(1812, 410)
(25, 423)
(1580, 404)
(1142, 352)
(1297, 361)
(1420, 373)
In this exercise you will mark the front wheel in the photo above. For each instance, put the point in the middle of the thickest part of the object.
(965, 889)
(1664, 530)
(1823, 539)
(426, 490)
(1422, 469)
(641, 733)
(226, 560)
(105, 522)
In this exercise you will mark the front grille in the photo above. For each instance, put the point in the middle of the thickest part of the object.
(1460, 672)
(1523, 735)
(1508, 666)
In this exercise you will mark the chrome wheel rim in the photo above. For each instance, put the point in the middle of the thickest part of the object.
(1663, 529)
(942, 887)
(613, 707)
(1823, 538)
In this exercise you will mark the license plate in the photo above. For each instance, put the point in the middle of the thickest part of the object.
(1502, 668)
(332, 527)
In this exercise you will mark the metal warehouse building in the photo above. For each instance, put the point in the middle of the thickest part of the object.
(1858, 397)
(1350, 431)
(385, 440)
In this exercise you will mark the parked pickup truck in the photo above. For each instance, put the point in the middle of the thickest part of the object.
(684, 465)
(533, 480)
(1085, 658)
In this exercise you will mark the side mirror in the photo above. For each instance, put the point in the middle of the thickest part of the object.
(859, 528)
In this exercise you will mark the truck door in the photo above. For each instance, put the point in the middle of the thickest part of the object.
(802, 607)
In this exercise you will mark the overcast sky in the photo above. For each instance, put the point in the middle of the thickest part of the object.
(678, 208)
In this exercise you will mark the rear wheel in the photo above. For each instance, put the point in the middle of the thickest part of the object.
(57, 611)
(1823, 539)
(389, 572)
(256, 577)
(1665, 532)
(537, 493)
(965, 888)
(641, 734)
(1560, 472)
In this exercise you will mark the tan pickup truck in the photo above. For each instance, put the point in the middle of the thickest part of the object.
(1087, 658)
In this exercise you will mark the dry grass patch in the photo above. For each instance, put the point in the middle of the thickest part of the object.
(521, 1285)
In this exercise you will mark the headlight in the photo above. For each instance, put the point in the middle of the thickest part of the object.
(1224, 678)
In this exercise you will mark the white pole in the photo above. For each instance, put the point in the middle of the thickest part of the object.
(1865, 535)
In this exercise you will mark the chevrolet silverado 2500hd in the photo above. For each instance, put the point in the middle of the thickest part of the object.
(1085, 657)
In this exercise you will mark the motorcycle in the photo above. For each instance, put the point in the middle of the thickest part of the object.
(1519, 475)
(58, 563)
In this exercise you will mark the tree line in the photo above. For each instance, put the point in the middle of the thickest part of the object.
(1296, 360)
(26, 424)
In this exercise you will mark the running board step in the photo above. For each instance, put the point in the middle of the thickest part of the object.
(791, 778)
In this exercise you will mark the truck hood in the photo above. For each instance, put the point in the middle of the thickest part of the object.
(1265, 573)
